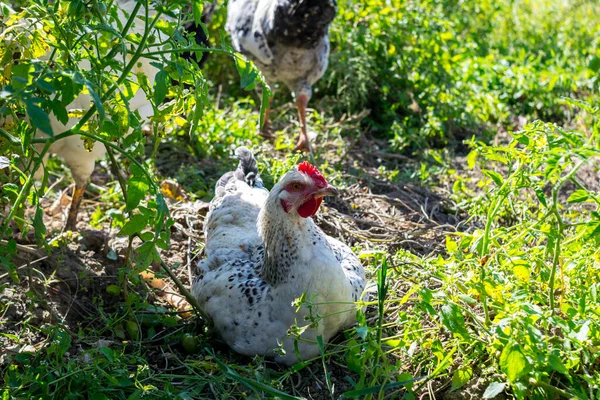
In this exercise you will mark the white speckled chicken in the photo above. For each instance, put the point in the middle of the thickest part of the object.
(263, 252)
(288, 40)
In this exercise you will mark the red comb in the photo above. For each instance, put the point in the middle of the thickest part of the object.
(312, 171)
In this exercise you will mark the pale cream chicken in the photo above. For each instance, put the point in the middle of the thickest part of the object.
(263, 251)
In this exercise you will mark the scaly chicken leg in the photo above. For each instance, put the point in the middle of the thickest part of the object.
(303, 141)
(78, 192)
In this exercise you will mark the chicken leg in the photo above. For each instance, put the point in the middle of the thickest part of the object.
(303, 141)
(78, 192)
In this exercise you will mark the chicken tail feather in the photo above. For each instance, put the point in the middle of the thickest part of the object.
(247, 170)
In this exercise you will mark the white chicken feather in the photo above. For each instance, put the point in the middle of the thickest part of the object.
(264, 251)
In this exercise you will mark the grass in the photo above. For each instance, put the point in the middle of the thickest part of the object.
(464, 137)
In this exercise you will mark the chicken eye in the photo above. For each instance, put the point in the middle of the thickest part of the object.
(295, 187)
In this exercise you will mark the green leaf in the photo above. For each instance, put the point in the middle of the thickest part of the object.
(134, 225)
(513, 362)
(67, 91)
(60, 112)
(146, 236)
(137, 188)
(460, 377)
(38, 225)
(353, 359)
(39, 118)
(251, 383)
(161, 88)
(496, 177)
(107, 352)
(248, 73)
(471, 159)
(523, 139)
(11, 246)
(76, 7)
(578, 196)
(197, 6)
(21, 75)
(12, 337)
(124, 381)
(110, 127)
(539, 193)
(97, 102)
(114, 290)
(453, 319)
(493, 390)
(451, 245)
(10, 189)
(556, 364)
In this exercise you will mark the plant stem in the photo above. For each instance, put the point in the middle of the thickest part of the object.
(555, 262)
(186, 50)
(115, 170)
(554, 390)
(560, 227)
(191, 299)
(491, 215)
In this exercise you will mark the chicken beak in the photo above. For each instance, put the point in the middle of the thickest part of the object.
(329, 190)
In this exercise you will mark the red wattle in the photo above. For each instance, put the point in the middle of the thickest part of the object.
(309, 208)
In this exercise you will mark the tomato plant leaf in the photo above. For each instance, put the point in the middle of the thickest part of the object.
(496, 177)
(453, 319)
(39, 118)
(556, 364)
(578, 196)
(460, 377)
(513, 362)
(248, 73)
(134, 225)
(97, 102)
(137, 188)
(197, 11)
(161, 86)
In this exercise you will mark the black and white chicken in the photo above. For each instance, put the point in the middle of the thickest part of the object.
(263, 251)
(288, 40)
